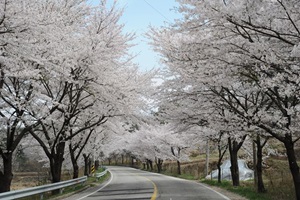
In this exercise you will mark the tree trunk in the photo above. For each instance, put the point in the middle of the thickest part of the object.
(75, 170)
(74, 162)
(90, 166)
(219, 171)
(97, 163)
(86, 164)
(56, 164)
(207, 158)
(147, 164)
(260, 184)
(159, 162)
(294, 168)
(150, 164)
(221, 152)
(234, 168)
(178, 167)
(6, 176)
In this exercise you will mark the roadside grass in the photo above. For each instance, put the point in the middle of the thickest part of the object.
(276, 175)
(245, 189)
(183, 176)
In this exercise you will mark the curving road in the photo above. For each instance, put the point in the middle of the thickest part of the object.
(132, 184)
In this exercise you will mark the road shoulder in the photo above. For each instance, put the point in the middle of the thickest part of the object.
(226, 193)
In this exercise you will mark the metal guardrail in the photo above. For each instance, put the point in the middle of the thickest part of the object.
(41, 189)
(99, 175)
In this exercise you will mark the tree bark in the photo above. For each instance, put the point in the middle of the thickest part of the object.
(56, 164)
(86, 164)
(97, 163)
(294, 168)
(150, 163)
(234, 147)
(234, 168)
(74, 163)
(147, 165)
(6, 176)
(260, 184)
(221, 152)
(75, 170)
(159, 162)
(178, 167)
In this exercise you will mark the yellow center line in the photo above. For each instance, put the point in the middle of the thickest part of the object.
(154, 195)
(155, 192)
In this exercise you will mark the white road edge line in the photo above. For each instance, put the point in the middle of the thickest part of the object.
(176, 178)
(111, 178)
(222, 195)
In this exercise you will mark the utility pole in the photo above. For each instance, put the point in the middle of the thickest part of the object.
(207, 158)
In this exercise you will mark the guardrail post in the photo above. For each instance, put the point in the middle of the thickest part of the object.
(42, 196)
(61, 190)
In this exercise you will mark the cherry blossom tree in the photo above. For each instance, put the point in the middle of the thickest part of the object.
(246, 53)
(65, 69)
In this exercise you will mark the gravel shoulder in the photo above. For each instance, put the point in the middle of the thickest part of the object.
(227, 193)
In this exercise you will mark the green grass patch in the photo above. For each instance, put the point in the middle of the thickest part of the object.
(184, 176)
(245, 189)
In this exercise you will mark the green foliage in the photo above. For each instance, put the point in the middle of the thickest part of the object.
(245, 189)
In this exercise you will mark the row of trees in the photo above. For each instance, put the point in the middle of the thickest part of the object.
(65, 72)
(233, 71)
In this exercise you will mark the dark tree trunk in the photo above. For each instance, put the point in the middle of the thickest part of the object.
(147, 164)
(159, 162)
(234, 147)
(260, 184)
(57, 161)
(97, 163)
(221, 152)
(56, 164)
(75, 152)
(75, 170)
(74, 163)
(86, 164)
(109, 161)
(150, 163)
(178, 162)
(234, 168)
(294, 168)
(178, 167)
(6, 176)
(90, 166)
(122, 159)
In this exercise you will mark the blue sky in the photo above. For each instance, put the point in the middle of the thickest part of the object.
(138, 15)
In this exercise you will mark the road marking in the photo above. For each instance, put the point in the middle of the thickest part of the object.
(111, 178)
(155, 191)
(154, 195)
(176, 178)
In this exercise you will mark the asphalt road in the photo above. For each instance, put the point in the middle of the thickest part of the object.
(132, 184)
